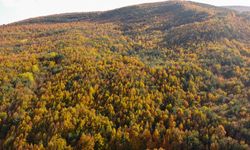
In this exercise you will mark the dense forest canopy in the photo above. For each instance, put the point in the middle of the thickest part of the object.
(169, 75)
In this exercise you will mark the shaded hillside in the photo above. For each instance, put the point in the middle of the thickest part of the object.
(171, 75)
(246, 15)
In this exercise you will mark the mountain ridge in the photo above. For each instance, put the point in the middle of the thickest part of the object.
(160, 16)
(94, 14)
(81, 16)
(170, 75)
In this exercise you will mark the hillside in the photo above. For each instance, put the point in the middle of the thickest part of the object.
(171, 75)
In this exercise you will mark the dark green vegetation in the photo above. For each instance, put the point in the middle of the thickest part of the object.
(172, 75)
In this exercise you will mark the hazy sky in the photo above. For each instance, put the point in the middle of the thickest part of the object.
(14, 10)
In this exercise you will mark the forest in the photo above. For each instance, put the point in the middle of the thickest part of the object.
(170, 75)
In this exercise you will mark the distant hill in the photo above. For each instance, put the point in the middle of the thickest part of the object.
(143, 9)
(133, 13)
(170, 75)
(239, 8)
(171, 17)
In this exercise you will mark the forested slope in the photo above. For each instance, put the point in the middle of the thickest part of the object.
(172, 75)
